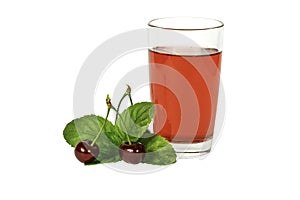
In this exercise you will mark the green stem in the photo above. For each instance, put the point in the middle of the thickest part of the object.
(129, 142)
(128, 92)
(98, 134)
(118, 108)
(130, 98)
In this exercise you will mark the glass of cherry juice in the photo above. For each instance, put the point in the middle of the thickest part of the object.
(184, 63)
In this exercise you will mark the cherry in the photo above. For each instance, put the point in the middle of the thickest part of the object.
(132, 153)
(86, 153)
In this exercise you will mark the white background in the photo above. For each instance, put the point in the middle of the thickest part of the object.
(42, 47)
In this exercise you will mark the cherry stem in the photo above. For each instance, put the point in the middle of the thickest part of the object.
(109, 106)
(123, 123)
(127, 92)
(119, 104)
(130, 98)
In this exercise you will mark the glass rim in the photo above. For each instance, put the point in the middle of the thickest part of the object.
(220, 23)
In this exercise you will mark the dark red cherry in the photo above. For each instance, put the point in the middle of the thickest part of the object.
(132, 153)
(86, 153)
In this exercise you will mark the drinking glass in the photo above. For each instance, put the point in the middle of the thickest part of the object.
(184, 68)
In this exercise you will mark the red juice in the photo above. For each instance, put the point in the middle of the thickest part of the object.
(185, 82)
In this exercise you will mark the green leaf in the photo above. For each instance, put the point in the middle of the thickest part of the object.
(158, 150)
(135, 119)
(87, 128)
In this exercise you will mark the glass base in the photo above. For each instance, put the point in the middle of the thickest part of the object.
(192, 150)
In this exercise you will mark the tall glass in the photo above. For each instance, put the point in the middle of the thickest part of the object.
(184, 63)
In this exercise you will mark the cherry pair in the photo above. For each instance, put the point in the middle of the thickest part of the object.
(131, 153)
